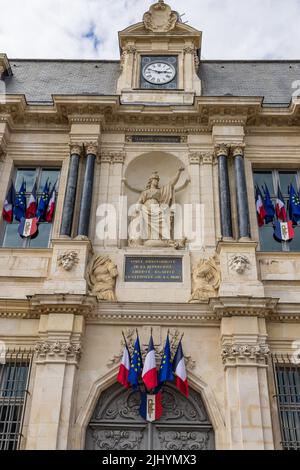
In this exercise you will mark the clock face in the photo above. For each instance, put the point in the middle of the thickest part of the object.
(159, 73)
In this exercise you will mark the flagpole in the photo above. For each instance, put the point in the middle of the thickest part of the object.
(126, 344)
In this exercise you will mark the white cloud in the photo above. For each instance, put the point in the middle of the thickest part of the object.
(232, 29)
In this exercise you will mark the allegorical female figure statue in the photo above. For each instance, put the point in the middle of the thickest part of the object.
(151, 224)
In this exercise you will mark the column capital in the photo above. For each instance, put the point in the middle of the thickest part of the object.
(222, 150)
(58, 351)
(91, 148)
(75, 148)
(245, 354)
(238, 150)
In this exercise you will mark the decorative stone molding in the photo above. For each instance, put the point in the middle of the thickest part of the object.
(243, 307)
(4, 66)
(234, 354)
(239, 263)
(206, 279)
(113, 157)
(75, 149)
(91, 148)
(195, 158)
(68, 260)
(189, 50)
(174, 336)
(207, 159)
(101, 276)
(160, 18)
(58, 350)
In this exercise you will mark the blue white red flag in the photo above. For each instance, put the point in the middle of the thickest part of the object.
(8, 205)
(28, 228)
(151, 407)
(180, 371)
(32, 204)
(280, 207)
(124, 369)
(284, 231)
(149, 374)
(51, 206)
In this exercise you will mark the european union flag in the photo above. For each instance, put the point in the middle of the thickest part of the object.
(270, 210)
(165, 371)
(43, 203)
(294, 205)
(136, 365)
(20, 204)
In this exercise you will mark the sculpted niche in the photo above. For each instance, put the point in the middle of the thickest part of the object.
(152, 220)
(101, 278)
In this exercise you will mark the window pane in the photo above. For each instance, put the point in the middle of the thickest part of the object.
(52, 176)
(264, 177)
(294, 245)
(29, 175)
(286, 178)
(267, 242)
(42, 240)
(12, 238)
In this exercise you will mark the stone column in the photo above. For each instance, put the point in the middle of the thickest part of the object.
(244, 355)
(115, 188)
(57, 354)
(241, 193)
(224, 192)
(87, 190)
(70, 197)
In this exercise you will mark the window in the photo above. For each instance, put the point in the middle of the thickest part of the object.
(287, 381)
(10, 235)
(14, 377)
(273, 178)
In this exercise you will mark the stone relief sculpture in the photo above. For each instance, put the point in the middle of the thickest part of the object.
(206, 280)
(239, 264)
(160, 18)
(152, 223)
(68, 260)
(101, 278)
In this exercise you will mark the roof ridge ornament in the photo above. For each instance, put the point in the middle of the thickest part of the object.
(160, 18)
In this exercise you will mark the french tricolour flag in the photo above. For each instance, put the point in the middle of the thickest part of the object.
(32, 204)
(180, 372)
(260, 208)
(9, 205)
(280, 207)
(124, 369)
(51, 206)
(149, 374)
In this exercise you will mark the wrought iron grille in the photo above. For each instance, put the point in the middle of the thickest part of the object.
(14, 379)
(287, 382)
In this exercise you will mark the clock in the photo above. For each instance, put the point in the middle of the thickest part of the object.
(159, 73)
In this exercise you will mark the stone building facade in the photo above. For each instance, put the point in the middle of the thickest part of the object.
(99, 129)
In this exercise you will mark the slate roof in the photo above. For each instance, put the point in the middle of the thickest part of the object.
(40, 79)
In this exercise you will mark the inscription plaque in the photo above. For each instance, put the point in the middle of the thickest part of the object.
(153, 269)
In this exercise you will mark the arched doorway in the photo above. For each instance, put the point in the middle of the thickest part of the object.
(117, 425)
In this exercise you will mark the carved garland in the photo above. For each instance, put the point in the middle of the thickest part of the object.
(245, 352)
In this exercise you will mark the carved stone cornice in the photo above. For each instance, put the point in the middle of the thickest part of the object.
(41, 304)
(243, 307)
(47, 351)
(245, 354)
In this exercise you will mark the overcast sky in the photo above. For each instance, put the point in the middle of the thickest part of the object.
(87, 29)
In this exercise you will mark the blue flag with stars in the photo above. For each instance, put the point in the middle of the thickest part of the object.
(43, 203)
(136, 365)
(165, 372)
(294, 205)
(20, 203)
(270, 211)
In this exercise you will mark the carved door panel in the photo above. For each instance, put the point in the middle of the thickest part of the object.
(117, 425)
